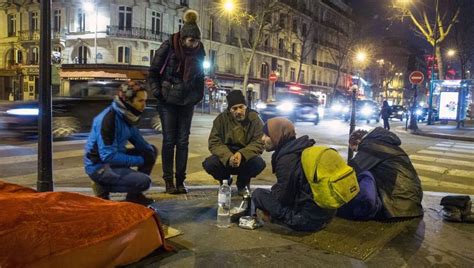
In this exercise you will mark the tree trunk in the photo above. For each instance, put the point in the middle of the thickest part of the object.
(439, 60)
(333, 93)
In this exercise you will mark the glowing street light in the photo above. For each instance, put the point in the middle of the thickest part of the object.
(451, 53)
(229, 6)
(361, 56)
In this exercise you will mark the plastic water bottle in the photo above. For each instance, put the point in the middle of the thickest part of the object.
(223, 205)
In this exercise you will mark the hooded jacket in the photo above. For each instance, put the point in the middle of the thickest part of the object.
(292, 189)
(229, 136)
(166, 80)
(107, 141)
(397, 181)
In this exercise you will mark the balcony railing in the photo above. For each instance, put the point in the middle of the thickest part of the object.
(29, 35)
(136, 33)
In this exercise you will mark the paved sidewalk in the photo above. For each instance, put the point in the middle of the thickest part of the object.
(444, 131)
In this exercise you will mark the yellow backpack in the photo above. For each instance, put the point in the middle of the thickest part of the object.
(332, 181)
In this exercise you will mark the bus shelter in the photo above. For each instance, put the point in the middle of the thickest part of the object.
(453, 98)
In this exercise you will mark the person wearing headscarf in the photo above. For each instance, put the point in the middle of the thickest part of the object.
(107, 160)
(176, 78)
(290, 201)
(235, 144)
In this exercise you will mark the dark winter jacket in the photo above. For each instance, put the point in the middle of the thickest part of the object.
(385, 112)
(292, 189)
(107, 142)
(229, 136)
(168, 86)
(397, 181)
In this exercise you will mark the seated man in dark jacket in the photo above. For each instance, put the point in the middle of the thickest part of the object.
(395, 177)
(290, 200)
(235, 143)
(107, 161)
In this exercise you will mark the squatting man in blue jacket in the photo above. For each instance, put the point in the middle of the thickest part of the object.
(107, 160)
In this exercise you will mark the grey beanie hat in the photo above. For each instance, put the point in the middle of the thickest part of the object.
(190, 28)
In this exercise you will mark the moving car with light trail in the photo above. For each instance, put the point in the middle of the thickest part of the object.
(365, 110)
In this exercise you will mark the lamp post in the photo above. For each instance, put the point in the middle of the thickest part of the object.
(89, 8)
(360, 58)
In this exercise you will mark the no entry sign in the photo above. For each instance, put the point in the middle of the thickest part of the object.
(416, 77)
(273, 77)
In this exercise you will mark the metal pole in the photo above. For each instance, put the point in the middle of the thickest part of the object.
(45, 163)
(95, 36)
(435, 34)
(413, 117)
(350, 153)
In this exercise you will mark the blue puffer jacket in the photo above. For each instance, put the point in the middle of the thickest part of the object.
(107, 142)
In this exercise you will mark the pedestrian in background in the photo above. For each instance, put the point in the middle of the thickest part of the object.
(290, 201)
(236, 143)
(176, 78)
(107, 160)
(385, 112)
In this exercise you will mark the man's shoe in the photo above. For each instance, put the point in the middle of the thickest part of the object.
(139, 199)
(170, 188)
(181, 188)
(99, 191)
(244, 191)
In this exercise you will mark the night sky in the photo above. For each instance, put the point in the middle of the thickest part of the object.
(375, 17)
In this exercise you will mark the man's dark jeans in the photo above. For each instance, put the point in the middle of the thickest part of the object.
(264, 200)
(117, 179)
(247, 169)
(176, 126)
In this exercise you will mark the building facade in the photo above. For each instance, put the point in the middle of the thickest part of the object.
(116, 39)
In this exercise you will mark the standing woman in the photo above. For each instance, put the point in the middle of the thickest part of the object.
(385, 113)
(176, 78)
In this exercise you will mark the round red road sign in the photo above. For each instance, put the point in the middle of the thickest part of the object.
(273, 77)
(209, 82)
(416, 77)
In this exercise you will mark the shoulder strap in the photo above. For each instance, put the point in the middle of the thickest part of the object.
(166, 61)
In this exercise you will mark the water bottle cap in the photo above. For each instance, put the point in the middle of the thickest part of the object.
(225, 182)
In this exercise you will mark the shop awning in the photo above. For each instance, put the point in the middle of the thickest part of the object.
(103, 72)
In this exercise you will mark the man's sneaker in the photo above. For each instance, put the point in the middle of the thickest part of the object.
(244, 191)
(99, 191)
(181, 188)
(170, 188)
(139, 199)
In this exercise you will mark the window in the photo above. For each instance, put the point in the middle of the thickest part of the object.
(184, 3)
(293, 48)
(11, 24)
(34, 21)
(34, 60)
(123, 55)
(213, 56)
(264, 70)
(304, 29)
(280, 70)
(302, 80)
(155, 22)
(230, 62)
(295, 26)
(82, 55)
(266, 42)
(281, 21)
(57, 20)
(125, 18)
(292, 75)
(18, 56)
(281, 44)
(180, 24)
(313, 77)
(81, 20)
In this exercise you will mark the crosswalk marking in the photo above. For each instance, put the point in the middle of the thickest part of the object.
(441, 160)
(442, 170)
(465, 156)
(451, 149)
(426, 181)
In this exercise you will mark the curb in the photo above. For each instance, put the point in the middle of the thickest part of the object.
(434, 135)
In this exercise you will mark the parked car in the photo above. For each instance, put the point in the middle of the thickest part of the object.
(422, 114)
(398, 112)
(365, 110)
(294, 106)
(70, 114)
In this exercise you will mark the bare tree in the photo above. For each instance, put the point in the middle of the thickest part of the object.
(431, 20)
(304, 35)
(463, 34)
(255, 23)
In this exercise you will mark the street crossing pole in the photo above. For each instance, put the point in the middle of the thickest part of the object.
(45, 163)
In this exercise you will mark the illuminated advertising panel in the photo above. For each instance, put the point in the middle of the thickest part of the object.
(448, 105)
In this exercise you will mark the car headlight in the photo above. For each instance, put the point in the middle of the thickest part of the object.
(419, 112)
(399, 112)
(336, 108)
(286, 106)
(367, 111)
(261, 105)
(23, 111)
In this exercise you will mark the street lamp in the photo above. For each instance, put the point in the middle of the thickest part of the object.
(360, 58)
(229, 6)
(89, 7)
(451, 53)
